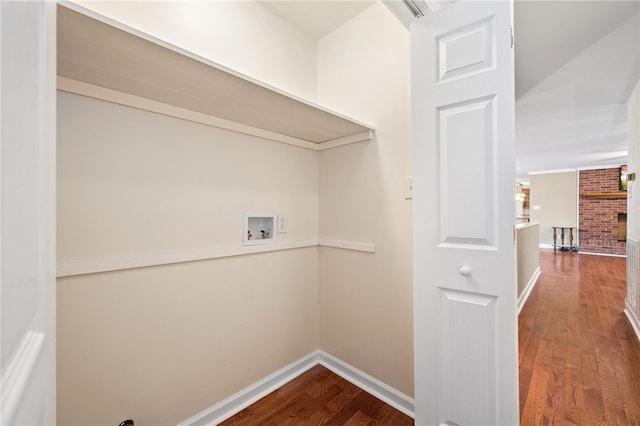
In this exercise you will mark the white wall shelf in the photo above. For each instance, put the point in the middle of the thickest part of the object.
(95, 50)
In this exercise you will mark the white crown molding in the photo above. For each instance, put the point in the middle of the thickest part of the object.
(577, 169)
(604, 166)
(546, 172)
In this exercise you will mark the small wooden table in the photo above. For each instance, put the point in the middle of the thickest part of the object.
(562, 245)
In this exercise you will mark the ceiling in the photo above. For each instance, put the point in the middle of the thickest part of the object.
(576, 64)
(317, 17)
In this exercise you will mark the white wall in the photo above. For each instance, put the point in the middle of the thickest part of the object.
(366, 299)
(241, 35)
(556, 194)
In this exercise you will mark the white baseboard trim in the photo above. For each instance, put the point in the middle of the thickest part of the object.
(375, 387)
(527, 289)
(244, 398)
(247, 396)
(601, 254)
(17, 373)
(633, 319)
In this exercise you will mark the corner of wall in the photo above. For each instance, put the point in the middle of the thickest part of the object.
(362, 199)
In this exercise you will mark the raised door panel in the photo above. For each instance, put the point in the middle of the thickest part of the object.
(464, 257)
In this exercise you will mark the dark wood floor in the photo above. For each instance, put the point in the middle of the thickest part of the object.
(579, 360)
(579, 357)
(319, 397)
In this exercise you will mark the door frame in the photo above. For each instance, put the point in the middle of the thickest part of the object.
(28, 212)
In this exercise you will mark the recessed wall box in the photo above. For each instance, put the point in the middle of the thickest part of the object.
(259, 227)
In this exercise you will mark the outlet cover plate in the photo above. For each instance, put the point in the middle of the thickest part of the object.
(283, 224)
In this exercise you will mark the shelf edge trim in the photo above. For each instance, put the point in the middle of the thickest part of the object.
(72, 267)
(348, 245)
(101, 93)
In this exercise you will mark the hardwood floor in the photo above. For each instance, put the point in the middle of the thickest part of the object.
(579, 360)
(319, 397)
(579, 356)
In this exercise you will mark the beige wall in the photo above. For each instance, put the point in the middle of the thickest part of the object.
(241, 35)
(161, 344)
(132, 181)
(366, 299)
(528, 253)
(557, 196)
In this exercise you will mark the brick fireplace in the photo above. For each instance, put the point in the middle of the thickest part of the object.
(602, 212)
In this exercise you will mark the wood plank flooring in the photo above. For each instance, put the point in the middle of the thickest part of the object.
(319, 397)
(579, 360)
(579, 356)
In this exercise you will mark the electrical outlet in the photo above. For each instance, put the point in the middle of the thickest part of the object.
(283, 224)
(408, 188)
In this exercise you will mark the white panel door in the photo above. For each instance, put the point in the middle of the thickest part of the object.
(466, 361)
(27, 212)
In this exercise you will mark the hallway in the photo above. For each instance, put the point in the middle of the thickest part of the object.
(579, 356)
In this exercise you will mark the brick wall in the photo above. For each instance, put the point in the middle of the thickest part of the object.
(598, 217)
